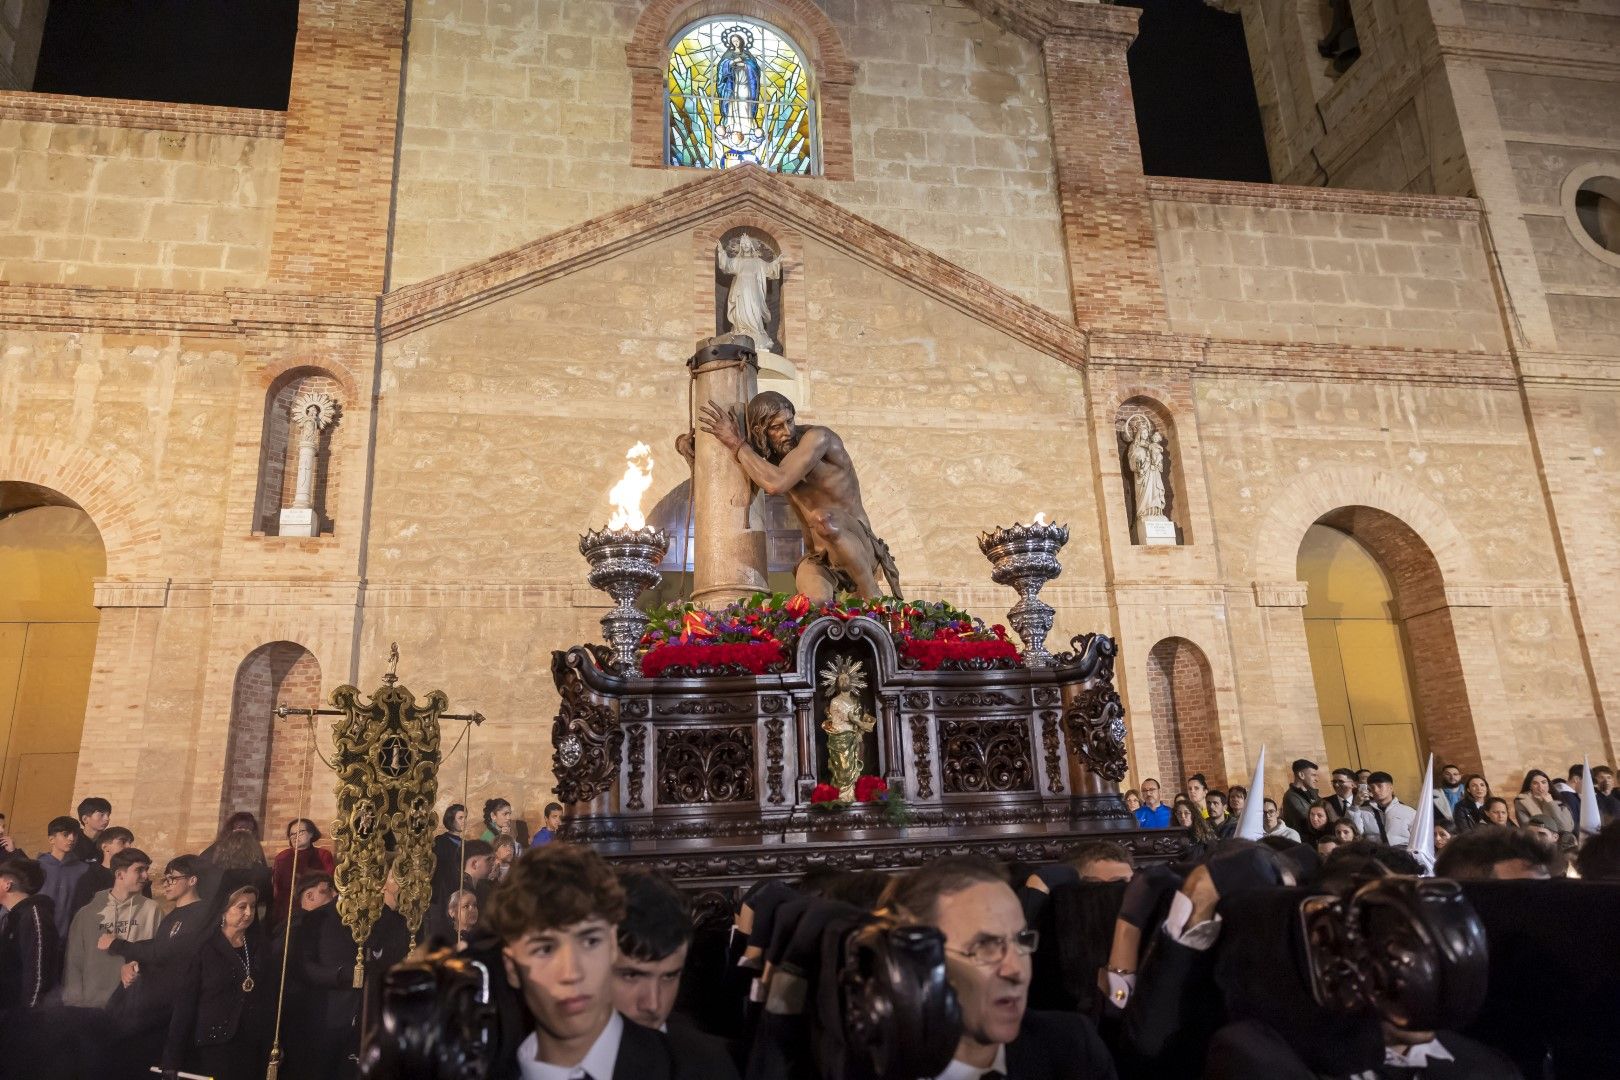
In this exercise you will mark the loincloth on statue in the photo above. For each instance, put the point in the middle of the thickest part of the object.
(880, 555)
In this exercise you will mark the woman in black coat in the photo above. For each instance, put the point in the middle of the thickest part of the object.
(224, 1006)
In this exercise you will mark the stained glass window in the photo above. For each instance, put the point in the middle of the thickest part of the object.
(738, 94)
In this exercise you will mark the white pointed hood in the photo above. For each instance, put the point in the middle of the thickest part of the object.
(1252, 825)
(1591, 821)
(1421, 843)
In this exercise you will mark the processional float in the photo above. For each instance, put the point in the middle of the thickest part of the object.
(776, 733)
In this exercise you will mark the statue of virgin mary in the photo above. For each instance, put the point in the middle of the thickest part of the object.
(737, 79)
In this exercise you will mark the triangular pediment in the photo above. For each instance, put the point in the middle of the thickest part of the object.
(714, 195)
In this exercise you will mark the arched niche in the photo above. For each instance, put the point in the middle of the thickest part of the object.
(268, 769)
(279, 450)
(51, 553)
(1175, 485)
(1186, 725)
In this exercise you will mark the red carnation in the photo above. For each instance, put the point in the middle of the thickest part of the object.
(823, 793)
(870, 788)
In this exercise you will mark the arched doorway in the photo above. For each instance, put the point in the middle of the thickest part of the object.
(1384, 660)
(50, 555)
(266, 763)
(1181, 694)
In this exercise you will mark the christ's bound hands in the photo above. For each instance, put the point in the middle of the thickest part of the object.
(722, 424)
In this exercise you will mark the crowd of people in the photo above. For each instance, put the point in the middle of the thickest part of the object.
(608, 977)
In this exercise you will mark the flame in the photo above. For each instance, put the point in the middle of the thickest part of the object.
(1040, 518)
(626, 494)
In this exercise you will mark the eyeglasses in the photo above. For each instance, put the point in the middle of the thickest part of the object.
(173, 879)
(987, 952)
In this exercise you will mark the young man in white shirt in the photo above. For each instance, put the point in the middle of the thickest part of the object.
(557, 915)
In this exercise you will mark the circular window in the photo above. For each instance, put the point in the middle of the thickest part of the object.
(1592, 211)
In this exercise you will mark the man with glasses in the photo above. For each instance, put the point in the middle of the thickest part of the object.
(155, 967)
(1152, 814)
(988, 952)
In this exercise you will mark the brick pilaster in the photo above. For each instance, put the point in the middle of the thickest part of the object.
(1107, 223)
(337, 163)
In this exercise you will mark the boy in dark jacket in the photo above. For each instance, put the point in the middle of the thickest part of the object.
(30, 949)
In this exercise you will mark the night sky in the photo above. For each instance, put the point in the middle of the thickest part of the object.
(1195, 106)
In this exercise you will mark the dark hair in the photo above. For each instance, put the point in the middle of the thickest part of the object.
(1269, 801)
(113, 834)
(555, 886)
(471, 849)
(1341, 771)
(236, 851)
(657, 917)
(1489, 799)
(1604, 769)
(63, 824)
(1379, 777)
(918, 893)
(1236, 789)
(1360, 771)
(1599, 857)
(503, 841)
(1301, 764)
(307, 882)
(550, 806)
(130, 856)
(450, 813)
(1475, 853)
(185, 866)
(1151, 780)
(27, 873)
(1200, 777)
(314, 832)
(1095, 851)
(1358, 860)
(1531, 775)
(1471, 777)
(235, 823)
(1576, 769)
(95, 804)
(492, 807)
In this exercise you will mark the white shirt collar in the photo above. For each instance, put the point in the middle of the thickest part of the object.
(598, 1062)
(961, 1070)
(1417, 1055)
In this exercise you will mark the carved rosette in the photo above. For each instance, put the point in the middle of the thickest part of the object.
(386, 756)
(773, 760)
(586, 738)
(705, 765)
(985, 756)
(920, 747)
(1050, 743)
(638, 761)
(1095, 718)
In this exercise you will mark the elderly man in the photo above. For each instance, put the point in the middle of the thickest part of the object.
(811, 467)
(988, 950)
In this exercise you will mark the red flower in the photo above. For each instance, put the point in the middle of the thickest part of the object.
(870, 788)
(823, 793)
(797, 606)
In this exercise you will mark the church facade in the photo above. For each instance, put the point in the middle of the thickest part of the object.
(481, 243)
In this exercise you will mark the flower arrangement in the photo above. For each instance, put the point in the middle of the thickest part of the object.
(868, 789)
(757, 634)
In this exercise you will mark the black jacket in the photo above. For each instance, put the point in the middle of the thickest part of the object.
(164, 961)
(1250, 1049)
(698, 1053)
(1058, 1046)
(30, 953)
(212, 1009)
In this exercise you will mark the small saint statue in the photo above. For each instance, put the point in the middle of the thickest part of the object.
(312, 412)
(846, 724)
(737, 80)
(1146, 456)
(749, 264)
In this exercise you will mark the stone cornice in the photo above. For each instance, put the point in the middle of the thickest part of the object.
(1039, 19)
(1293, 197)
(1559, 56)
(1569, 370)
(448, 295)
(86, 309)
(141, 115)
(1294, 360)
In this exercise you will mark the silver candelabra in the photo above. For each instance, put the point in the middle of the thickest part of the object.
(624, 563)
(1025, 557)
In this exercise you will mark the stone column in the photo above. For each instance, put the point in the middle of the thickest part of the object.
(729, 549)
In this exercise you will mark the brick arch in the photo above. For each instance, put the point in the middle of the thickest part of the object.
(1317, 494)
(118, 500)
(273, 372)
(809, 27)
(1186, 724)
(789, 242)
(265, 774)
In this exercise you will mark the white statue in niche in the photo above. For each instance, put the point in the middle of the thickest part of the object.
(1145, 454)
(750, 264)
(312, 412)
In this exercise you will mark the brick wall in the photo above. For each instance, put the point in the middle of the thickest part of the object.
(171, 197)
(1186, 727)
(266, 760)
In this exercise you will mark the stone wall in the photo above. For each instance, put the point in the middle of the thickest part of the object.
(22, 27)
(1265, 263)
(173, 197)
(517, 124)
